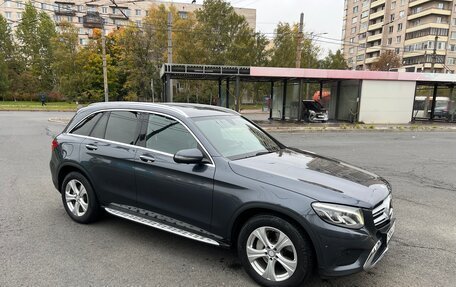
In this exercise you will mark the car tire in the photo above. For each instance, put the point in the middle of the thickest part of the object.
(79, 199)
(286, 261)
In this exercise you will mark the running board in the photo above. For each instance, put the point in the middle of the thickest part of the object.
(161, 226)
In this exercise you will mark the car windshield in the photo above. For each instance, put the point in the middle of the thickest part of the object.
(234, 137)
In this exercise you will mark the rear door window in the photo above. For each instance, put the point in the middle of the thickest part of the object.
(99, 130)
(85, 127)
(168, 135)
(123, 127)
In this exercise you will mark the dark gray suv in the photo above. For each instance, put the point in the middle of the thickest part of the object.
(208, 174)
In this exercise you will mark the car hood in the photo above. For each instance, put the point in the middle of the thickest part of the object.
(315, 176)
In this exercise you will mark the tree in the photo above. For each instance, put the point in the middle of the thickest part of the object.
(388, 60)
(4, 81)
(285, 46)
(6, 53)
(34, 34)
(68, 77)
(224, 37)
(334, 61)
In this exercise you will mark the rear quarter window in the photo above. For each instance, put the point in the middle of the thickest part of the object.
(85, 127)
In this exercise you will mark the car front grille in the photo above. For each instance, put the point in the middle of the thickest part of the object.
(383, 212)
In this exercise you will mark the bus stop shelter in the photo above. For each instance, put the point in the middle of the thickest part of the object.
(348, 95)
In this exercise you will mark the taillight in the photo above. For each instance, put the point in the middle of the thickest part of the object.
(54, 144)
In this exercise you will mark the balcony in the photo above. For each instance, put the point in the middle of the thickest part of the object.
(375, 37)
(371, 60)
(377, 3)
(417, 53)
(375, 26)
(427, 25)
(373, 49)
(413, 3)
(92, 20)
(429, 11)
(377, 14)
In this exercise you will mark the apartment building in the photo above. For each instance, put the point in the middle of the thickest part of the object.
(421, 32)
(89, 14)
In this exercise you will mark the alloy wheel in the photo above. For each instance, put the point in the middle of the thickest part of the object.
(76, 197)
(271, 253)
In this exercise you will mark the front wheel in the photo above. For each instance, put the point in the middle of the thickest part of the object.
(274, 252)
(79, 199)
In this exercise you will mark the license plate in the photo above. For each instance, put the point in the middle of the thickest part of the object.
(390, 233)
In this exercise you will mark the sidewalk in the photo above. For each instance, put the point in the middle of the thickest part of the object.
(261, 118)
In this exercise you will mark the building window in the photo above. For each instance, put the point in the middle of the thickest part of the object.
(393, 5)
(70, 19)
(440, 5)
(354, 20)
(452, 47)
(403, 2)
(352, 40)
(397, 50)
(19, 15)
(398, 39)
(80, 8)
(363, 26)
(365, 3)
(364, 14)
(8, 15)
(391, 17)
(43, 6)
(91, 8)
(390, 29)
(401, 14)
(453, 35)
(104, 10)
(399, 27)
(138, 12)
(80, 19)
(138, 23)
(355, 9)
(19, 5)
(8, 4)
(390, 41)
(351, 50)
(438, 20)
(353, 30)
(451, 61)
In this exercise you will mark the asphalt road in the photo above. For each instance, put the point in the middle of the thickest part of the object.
(41, 246)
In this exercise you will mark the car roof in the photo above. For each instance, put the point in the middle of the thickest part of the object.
(175, 109)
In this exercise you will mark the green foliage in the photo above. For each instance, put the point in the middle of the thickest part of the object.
(285, 48)
(43, 59)
(334, 61)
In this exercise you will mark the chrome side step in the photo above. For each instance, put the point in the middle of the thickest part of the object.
(161, 226)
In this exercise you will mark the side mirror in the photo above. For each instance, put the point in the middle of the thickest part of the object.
(189, 156)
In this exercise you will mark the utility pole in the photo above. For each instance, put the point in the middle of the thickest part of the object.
(170, 54)
(105, 68)
(298, 62)
(299, 41)
(152, 89)
(434, 54)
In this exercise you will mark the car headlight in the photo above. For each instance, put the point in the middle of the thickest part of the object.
(341, 215)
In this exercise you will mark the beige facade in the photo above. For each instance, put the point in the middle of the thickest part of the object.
(86, 15)
(410, 28)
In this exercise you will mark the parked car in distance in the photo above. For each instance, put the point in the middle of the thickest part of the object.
(208, 174)
(313, 111)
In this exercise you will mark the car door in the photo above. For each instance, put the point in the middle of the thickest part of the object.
(108, 154)
(180, 191)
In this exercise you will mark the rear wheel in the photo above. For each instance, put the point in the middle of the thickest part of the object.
(274, 252)
(78, 198)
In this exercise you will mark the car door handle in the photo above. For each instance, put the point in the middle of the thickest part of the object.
(146, 158)
(91, 147)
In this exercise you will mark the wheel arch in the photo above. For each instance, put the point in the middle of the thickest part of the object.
(251, 210)
(66, 168)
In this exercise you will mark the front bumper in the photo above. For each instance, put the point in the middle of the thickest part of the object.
(342, 251)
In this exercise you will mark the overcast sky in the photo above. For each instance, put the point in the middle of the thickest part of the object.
(320, 16)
